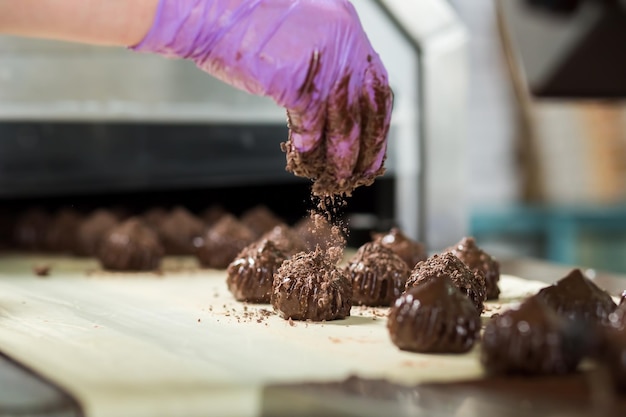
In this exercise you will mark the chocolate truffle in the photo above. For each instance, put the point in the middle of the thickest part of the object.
(222, 242)
(576, 297)
(529, 339)
(92, 230)
(286, 239)
(410, 251)
(471, 283)
(31, 228)
(251, 275)
(260, 220)
(614, 357)
(315, 230)
(378, 275)
(434, 317)
(61, 236)
(211, 215)
(130, 246)
(179, 230)
(478, 260)
(617, 319)
(154, 217)
(309, 286)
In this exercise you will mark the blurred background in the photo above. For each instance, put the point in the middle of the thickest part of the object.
(508, 125)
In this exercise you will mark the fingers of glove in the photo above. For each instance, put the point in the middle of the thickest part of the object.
(306, 129)
(376, 104)
(343, 128)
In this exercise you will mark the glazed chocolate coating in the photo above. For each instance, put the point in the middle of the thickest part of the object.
(92, 230)
(477, 259)
(434, 317)
(378, 275)
(260, 220)
(576, 297)
(409, 250)
(315, 231)
(30, 229)
(471, 283)
(310, 287)
(212, 215)
(251, 275)
(529, 339)
(286, 239)
(61, 236)
(130, 246)
(179, 230)
(223, 242)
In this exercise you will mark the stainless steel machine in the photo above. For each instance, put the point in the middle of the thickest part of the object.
(77, 119)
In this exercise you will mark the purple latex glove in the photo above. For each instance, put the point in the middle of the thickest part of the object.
(312, 57)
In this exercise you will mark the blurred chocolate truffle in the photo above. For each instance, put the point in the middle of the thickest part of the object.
(178, 231)
(130, 246)
(377, 274)
(212, 214)
(30, 229)
(154, 217)
(409, 250)
(61, 235)
(577, 298)
(260, 220)
(613, 357)
(251, 275)
(316, 231)
(434, 317)
(530, 339)
(622, 300)
(471, 283)
(286, 239)
(309, 286)
(221, 243)
(477, 259)
(92, 230)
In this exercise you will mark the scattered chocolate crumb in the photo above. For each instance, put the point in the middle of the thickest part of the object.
(41, 270)
(291, 323)
(198, 320)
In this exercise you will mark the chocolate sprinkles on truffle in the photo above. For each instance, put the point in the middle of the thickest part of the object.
(130, 246)
(222, 243)
(378, 275)
(477, 259)
(471, 283)
(179, 230)
(576, 297)
(309, 286)
(251, 275)
(530, 339)
(434, 317)
(409, 250)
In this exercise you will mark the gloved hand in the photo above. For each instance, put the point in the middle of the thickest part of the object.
(312, 57)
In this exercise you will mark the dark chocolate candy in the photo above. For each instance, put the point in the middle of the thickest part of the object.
(576, 297)
(434, 317)
(530, 339)
(260, 220)
(61, 235)
(613, 356)
(154, 217)
(30, 229)
(477, 259)
(286, 239)
(92, 230)
(179, 230)
(471, 283)
(378, 275)
(221, 243)
(409, 250)
(251, 275)
(311, 287)
(130, 246)
(212, 215)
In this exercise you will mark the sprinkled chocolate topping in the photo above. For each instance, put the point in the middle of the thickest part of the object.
(477, 259)
(251, 275)
(311, 287)
(434, 317)
(410, 251)
(130, 246)
(471, 283)
(378, 275)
